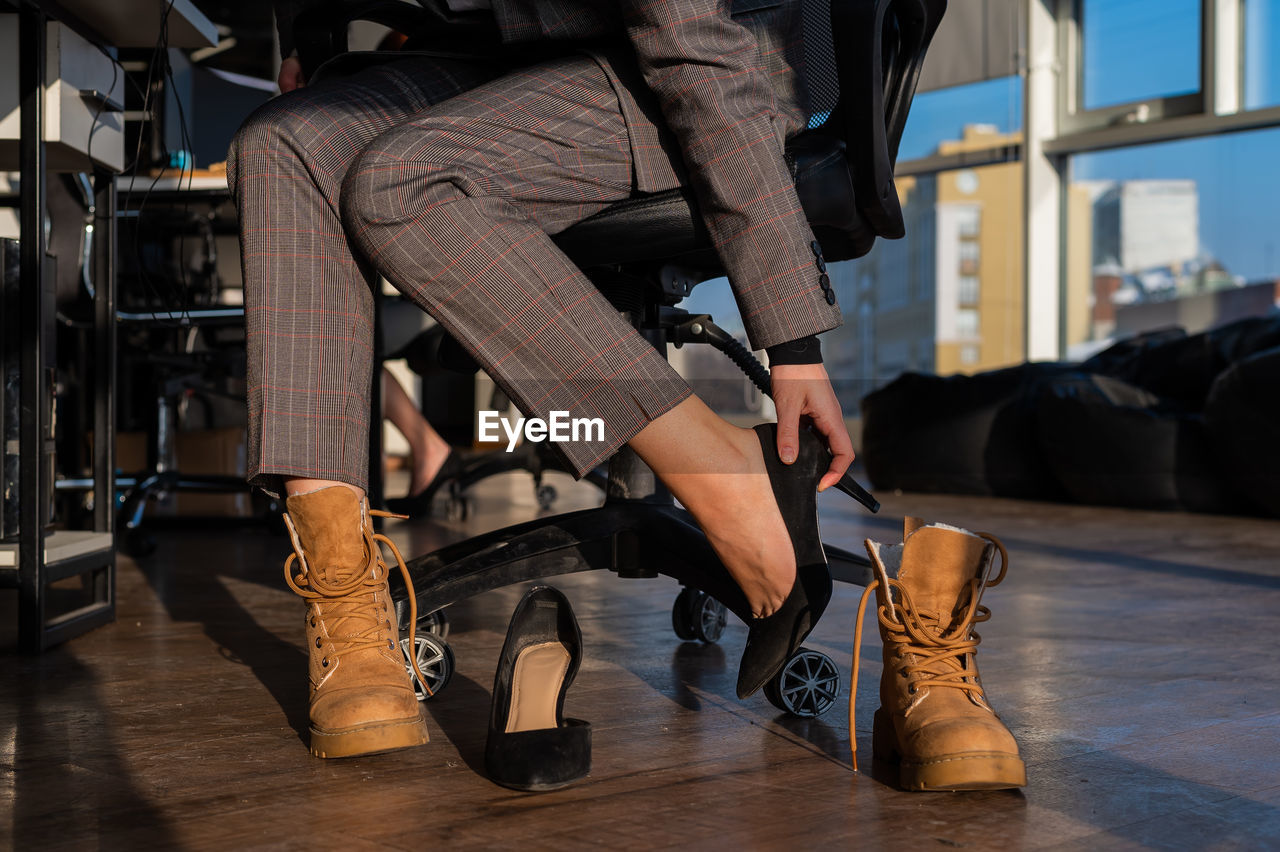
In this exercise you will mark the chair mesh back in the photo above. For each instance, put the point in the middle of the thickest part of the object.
(820, 76)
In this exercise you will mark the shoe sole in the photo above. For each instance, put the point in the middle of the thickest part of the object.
(369, 739)
(948, 772)
(954, 773)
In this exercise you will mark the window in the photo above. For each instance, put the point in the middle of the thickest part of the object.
(966, 323)
(968, 289)
(1135, 50)
(968, 254)
(942, 115)
(1261, 64)
(968, 219)
(1178, 233)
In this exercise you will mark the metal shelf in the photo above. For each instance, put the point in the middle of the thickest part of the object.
(41, 558)
(60, 547)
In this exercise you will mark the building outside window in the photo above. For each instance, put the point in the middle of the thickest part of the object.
(1182, 233)
(1154, 231)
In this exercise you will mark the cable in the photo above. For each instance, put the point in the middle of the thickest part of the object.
(187, 159)
(160, 57)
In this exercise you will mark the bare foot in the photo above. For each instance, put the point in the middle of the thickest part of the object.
(720, 477)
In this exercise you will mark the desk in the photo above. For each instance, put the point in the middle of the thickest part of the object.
(135, 23)
(40, 558)
(139, 184)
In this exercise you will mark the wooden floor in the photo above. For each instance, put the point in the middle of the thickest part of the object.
(1136, 656)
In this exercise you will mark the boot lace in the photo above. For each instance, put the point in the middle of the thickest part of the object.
(940, 652)
(356, 592)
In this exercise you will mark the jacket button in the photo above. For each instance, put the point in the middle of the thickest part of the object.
(822, 264)
(831, 297)
(816, 248)
(825, 281)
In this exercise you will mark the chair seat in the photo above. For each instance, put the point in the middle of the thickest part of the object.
(651, 227)
(666, 226)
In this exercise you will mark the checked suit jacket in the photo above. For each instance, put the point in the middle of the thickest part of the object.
(710, 91)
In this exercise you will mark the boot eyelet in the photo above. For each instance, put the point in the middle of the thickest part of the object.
(317, 641)
(325, 662)
(313, 622)
(388, 624)
(390, 645)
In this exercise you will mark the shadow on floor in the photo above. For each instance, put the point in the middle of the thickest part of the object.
(67, 781)
(186, 573)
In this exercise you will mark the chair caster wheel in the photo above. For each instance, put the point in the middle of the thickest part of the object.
(545, 495)
(435, 659)
(682, 614)
(697, 615)
(807, 686)
(436, 623)
(710, 618)
(458, 508)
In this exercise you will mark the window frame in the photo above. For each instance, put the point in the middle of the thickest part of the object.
(1055, 126)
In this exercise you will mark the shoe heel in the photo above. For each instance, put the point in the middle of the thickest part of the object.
(849, 486)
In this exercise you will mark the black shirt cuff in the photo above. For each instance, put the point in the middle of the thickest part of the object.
(806, 350)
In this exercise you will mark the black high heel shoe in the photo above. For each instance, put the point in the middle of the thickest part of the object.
(773, 639)
(420, 503)
(531, 746)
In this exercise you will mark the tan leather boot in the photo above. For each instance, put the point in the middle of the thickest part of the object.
(934, 722)
(362, 700)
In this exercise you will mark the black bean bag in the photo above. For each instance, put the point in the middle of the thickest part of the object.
(1119, 359)
(1180, 368)
(1242, 417)
(1111, 443)
(959, 434)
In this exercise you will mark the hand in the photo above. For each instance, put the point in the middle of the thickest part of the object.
(804, 390)
(290, 75)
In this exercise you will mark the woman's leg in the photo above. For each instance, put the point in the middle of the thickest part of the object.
(716, 470)
(308, 306)
(309, 324)
(455, 206)
(427, 450)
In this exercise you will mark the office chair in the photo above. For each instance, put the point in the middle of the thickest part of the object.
(646, 254)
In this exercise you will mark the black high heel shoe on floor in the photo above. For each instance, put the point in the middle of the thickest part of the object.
(773, 639)
(531, 746)
(420, 503)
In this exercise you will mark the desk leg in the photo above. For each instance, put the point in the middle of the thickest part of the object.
(41, 559)
(32, 417)
(104, 397)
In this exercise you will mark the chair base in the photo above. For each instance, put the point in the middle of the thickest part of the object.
(642, 534)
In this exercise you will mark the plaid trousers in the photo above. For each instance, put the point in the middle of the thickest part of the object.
(449, 181)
